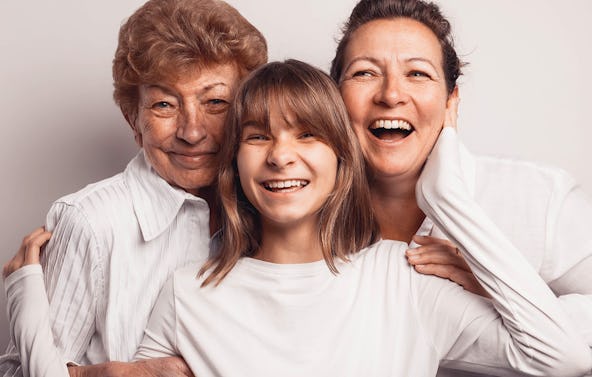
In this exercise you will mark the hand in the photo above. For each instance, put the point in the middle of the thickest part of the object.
(441, 258)
(29, 251)
(161, 367)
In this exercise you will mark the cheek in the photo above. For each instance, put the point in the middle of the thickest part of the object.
(353, 98)
(432, 106)
(156, 131)
(215, 127)
(243, 164)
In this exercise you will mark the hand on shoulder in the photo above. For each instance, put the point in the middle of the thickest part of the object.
(29, 251)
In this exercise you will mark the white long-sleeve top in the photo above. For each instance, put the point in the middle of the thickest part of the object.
(490, 183)
(114, 244)
(377, 317)
(542, 212)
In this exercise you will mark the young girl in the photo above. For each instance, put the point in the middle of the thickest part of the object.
(289, 292)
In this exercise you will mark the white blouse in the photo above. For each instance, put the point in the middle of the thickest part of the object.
(114, 244)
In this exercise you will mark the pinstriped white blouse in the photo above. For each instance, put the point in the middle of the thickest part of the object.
(114, 244)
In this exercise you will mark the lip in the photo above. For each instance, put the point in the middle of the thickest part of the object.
(191, 159)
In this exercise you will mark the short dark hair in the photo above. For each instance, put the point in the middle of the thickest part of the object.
(427, 13)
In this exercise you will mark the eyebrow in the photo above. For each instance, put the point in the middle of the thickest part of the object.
(171, 91)
(376, 61)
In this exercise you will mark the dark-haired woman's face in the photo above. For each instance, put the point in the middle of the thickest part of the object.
(394, 88)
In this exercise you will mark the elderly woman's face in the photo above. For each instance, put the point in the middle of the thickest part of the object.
(180, 125)
(394, 88)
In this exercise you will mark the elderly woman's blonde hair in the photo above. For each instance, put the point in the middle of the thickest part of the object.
(164, 39)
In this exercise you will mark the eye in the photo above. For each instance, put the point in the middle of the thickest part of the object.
(419, 74)
(162, 105)
(363, 73)
(256, 137)
(306, 135)
(217, 105)
(217, 101)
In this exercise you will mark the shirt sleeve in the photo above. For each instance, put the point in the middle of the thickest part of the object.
(160, 335)
(31, 335)
(568, 260)
(72, 278)
(534, 334)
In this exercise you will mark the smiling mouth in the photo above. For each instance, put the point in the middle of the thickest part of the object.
(289, 185)
(391, 130)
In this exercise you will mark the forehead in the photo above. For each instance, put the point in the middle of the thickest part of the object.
(197, 79)
(403, 38)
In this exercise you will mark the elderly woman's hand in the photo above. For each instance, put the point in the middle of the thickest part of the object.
(160, 367)
(441, 258)
(29, 251)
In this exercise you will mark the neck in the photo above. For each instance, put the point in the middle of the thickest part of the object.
(395, 207)
(291, 244)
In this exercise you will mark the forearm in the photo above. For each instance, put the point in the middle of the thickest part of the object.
(28, 312)
(162, 367)
(579, 309)
(541, 334)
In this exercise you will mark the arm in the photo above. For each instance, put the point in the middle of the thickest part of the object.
(72, 279)
(568, 260)
(160, 335)
(162, 367)
(24, 279)
(28, 308)
(537, 335)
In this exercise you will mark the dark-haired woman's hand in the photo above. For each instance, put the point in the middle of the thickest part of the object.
(439, 257)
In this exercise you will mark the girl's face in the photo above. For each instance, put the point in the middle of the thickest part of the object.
(287, 173)
(395, 91)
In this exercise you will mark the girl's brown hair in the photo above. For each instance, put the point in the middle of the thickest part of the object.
(346, 221)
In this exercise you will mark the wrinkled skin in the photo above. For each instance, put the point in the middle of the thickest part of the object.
(163, 367)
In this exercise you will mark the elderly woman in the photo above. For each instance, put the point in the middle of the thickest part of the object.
(117, 241)
(397, 69)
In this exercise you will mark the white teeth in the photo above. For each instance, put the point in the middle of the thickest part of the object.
(285, 184)
(392, 124)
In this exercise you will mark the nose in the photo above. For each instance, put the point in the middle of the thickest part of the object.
(191, 125)
(281, 154)
(391, 92)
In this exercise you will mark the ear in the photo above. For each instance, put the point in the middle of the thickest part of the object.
(452, 109)
(133, 123)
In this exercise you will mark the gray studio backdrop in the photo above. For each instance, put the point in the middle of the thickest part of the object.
(525, 94)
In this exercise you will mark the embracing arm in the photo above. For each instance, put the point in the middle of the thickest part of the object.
(28, 311)
(29, 308)
(535, 336)
(162, 367)
(68, 310)
(568, 259)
